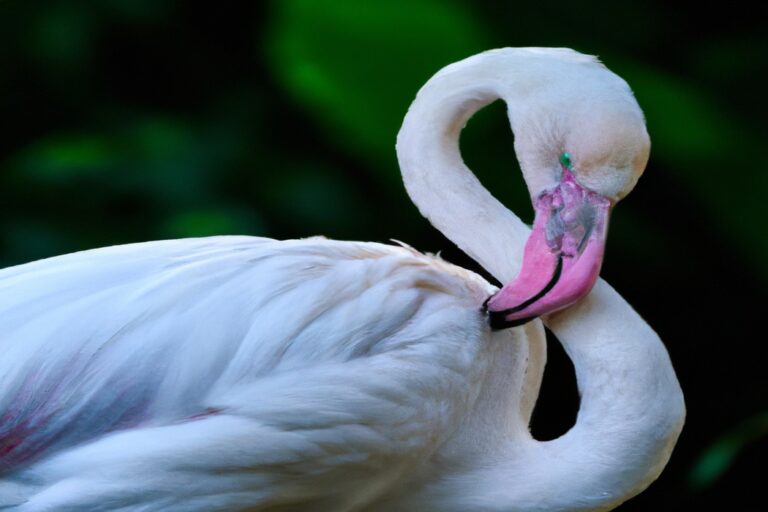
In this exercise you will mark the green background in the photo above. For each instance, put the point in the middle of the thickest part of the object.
(133, 120)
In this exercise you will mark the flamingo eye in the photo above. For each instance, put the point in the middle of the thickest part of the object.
(565, 160)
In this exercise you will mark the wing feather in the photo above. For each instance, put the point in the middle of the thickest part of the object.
(295, 345)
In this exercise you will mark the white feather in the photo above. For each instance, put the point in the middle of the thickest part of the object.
(242, 370)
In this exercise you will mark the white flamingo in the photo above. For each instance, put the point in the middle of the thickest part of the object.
(239, 373)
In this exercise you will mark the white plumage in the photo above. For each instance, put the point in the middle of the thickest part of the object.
(240, 373)
(334, 360)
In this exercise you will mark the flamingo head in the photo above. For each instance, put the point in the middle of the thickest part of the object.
(573, 189)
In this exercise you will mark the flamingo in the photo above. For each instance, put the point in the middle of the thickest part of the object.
(240, 373)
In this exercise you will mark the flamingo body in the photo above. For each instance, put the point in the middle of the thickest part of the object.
(133, 368)
(247, 374)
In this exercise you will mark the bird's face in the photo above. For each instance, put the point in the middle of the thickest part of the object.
(563, 255)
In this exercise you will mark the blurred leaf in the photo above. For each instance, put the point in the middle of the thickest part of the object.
(28, 239)
(315, 201)
(162, 157)
(732, 60)
(174, 160)
(357, 65)
(212, 221)
(63, 157)
(61, 37)
(710, 154)
(719, 457)
(687, 127)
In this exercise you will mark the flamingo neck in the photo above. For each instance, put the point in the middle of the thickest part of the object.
(446, 192)
(632, 407)
(631, 413)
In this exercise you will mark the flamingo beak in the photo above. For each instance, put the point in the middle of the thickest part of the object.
(562, 256)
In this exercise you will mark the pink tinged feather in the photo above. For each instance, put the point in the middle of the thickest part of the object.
(44, 417)
(562, 256)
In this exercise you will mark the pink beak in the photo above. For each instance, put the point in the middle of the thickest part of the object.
(562, 256)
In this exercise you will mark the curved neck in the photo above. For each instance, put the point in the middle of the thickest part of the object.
(446, 192)
(632, 406)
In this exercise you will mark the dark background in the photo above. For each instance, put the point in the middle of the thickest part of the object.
(132, 120)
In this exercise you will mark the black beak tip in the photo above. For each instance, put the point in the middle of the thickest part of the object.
(498, 319)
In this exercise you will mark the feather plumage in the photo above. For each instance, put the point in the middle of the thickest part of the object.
(296, 362)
